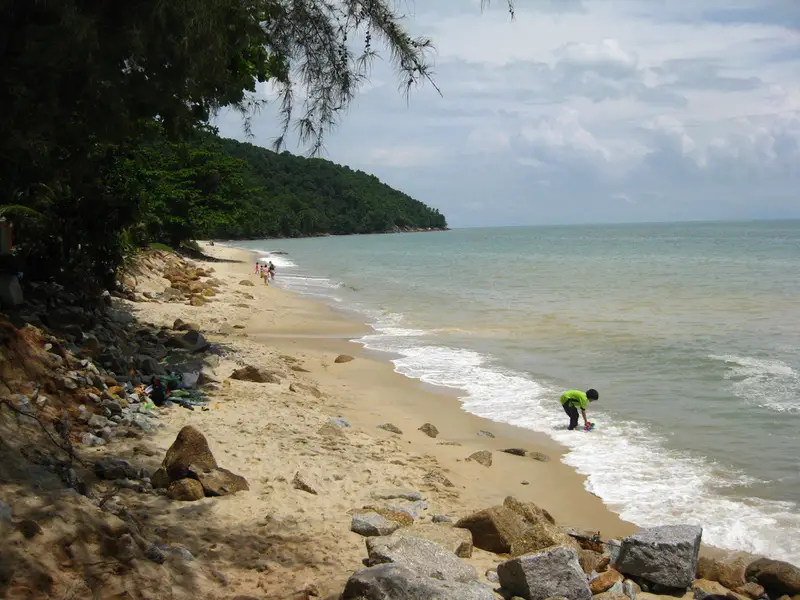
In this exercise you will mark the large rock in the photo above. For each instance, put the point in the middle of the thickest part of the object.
(515, 528)
(730, 572)
(554, 572)
(666, 555)
(254, 374)
(371, 524)
(189, 448)
(109, 467)
(186, 490)
(396, 582)
(421, 556)
(58, 318)
(219, 481)
(458, 541)
(192, 341)
(778, 578)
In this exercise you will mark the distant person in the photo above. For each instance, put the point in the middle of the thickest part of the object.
(258, 268)
(158, 394)
(572, 400)
(271, 270)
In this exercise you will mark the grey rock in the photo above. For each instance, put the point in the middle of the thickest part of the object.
(424, 557)
(554, 572)
(394, 493)
(371, 524)
(155, 554)
(664, 555)
(113, 406)
(396, 582)
(612, 549)
(5, 512)
(110, 467)
(176, 552)
(339, 422)
(492, 576)
(484, 433)
(629, 589)
(142, 422)
(441, 519)
(88, 439)
(413, 509)
(99, 421)
(125, 548)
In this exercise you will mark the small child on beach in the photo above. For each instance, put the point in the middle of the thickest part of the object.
(572, 400)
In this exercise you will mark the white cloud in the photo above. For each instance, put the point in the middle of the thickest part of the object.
(594, 110)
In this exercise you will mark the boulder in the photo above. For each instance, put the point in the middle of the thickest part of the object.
(254, 374)
(429, 430)
(605, 581)
(396, 582)
(343, 358)
(458, 541)
(539, 456)
(666, 555)
(218, 481)
(58, 318)
(186, 490)
(484, 433)
(109, 467)
(391, 428)
(421, 556)
(778, 578)
(515, 528)
(730, 572)
(189, 448)
(482, 457)
(554, 572)
(247, 283)
(372, 524)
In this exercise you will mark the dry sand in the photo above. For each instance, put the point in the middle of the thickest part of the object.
(275, 540)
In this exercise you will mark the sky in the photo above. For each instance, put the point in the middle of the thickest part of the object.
(585, 111)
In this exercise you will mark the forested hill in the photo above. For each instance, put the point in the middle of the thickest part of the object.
(287, 195)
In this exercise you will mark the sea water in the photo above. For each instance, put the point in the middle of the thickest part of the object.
(690, 332)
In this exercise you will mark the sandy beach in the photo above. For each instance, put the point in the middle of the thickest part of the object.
(278, 540)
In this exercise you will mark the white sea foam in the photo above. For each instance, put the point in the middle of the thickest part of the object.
(770, 384)
(626, 464)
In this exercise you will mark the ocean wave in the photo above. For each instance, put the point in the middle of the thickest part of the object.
(770, 384)
(626, 464)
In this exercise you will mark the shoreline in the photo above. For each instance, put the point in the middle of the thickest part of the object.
(450, 397)
(426, 402)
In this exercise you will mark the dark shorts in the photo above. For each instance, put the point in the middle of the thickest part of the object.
(572, 411)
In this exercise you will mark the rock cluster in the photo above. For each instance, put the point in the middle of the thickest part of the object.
(190, 471)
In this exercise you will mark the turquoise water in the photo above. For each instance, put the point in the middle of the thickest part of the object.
(691, 333)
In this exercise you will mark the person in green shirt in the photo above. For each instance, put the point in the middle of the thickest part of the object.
(572, 400)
